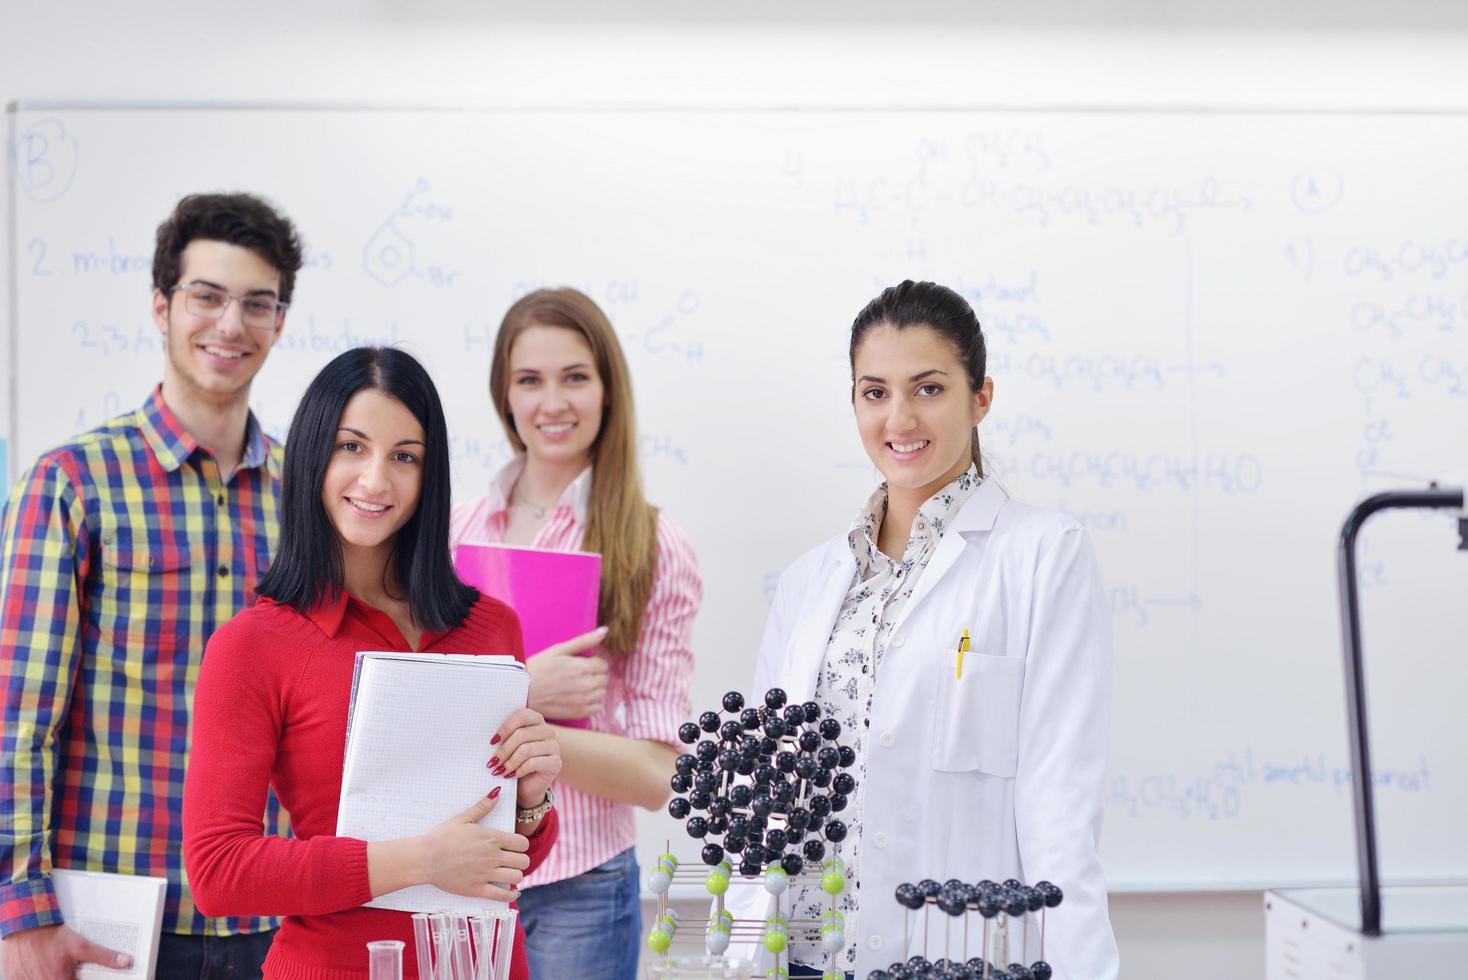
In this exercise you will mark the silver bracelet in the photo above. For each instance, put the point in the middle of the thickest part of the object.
(536, 812)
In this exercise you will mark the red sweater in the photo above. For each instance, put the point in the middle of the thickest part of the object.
(270, 710)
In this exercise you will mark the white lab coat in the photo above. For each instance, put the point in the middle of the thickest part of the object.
(997, 775)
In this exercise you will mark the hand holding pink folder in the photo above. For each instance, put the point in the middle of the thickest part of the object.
(555, 593)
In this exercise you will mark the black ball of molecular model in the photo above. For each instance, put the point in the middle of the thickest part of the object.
(989, 901)
(760, 786)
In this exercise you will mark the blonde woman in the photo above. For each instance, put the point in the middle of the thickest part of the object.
(560, 384)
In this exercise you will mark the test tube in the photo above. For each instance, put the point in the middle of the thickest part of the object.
(486, 940)
(505, 943)
(463, 955)
(443, 958)
(423, 945)
(483, 928)
(385, 959)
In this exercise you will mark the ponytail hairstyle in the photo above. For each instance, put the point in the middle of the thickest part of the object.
(621, 526)
(927, 304)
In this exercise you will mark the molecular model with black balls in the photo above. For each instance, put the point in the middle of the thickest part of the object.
(764, 784)
(759, 788)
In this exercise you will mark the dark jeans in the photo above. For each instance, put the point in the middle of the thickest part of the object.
(212, 957)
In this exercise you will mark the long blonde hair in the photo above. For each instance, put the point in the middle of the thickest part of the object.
(620, 524)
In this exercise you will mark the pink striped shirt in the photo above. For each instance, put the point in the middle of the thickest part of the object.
(647, 690)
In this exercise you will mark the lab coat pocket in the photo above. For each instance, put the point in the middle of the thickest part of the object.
(976, 726)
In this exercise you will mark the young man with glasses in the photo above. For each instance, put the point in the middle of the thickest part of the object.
(122, 551)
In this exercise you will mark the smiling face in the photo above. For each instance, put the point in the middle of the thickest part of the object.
(375, 473)
(915, 409)
(215, 360)
(556, 397)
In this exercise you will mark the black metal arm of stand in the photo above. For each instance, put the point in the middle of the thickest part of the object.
(1356, 682)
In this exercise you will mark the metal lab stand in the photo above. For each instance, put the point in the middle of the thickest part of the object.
(1339, 932)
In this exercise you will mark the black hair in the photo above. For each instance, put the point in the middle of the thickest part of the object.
(927, 304)
(308, 568)
(236, 219)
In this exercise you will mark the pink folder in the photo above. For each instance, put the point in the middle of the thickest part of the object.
(554, 593)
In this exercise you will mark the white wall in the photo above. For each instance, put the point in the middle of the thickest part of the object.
(1320, 54)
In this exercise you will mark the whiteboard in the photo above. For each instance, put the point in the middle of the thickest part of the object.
(1210, 334)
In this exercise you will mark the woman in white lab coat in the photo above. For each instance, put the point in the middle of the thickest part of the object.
(991, 771)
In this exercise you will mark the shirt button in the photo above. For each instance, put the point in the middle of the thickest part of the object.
(897, 640)
(880, 840)
(221, 500)
(223, 571)
(887, 739)
(875, 943)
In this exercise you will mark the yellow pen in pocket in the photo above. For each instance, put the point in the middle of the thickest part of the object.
(962, 649)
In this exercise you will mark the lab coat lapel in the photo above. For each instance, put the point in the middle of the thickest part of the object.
(977, 514)
(812, 634)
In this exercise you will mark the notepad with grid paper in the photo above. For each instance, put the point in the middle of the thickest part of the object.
(418, 733)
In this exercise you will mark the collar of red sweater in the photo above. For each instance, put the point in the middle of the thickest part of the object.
(344, 612)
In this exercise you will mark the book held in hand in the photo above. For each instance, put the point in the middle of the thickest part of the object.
(122, 912)
(555, 593)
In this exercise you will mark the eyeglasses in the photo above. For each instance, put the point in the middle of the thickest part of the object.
(256, 312)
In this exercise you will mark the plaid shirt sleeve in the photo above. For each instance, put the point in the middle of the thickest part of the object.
(43, 558)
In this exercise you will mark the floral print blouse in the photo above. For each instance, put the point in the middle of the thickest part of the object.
(848, 676)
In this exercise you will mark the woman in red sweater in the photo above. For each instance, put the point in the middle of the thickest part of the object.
(363, 564)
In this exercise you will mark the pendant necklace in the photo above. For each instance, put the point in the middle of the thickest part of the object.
(538, 511)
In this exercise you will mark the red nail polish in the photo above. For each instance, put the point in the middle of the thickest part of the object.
(500, 771)
(494, 793)
(493, 762)
(495, 740)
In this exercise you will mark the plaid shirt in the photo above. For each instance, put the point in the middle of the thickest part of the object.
(122, 552)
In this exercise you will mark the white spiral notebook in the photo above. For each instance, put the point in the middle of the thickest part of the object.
(418, 733)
